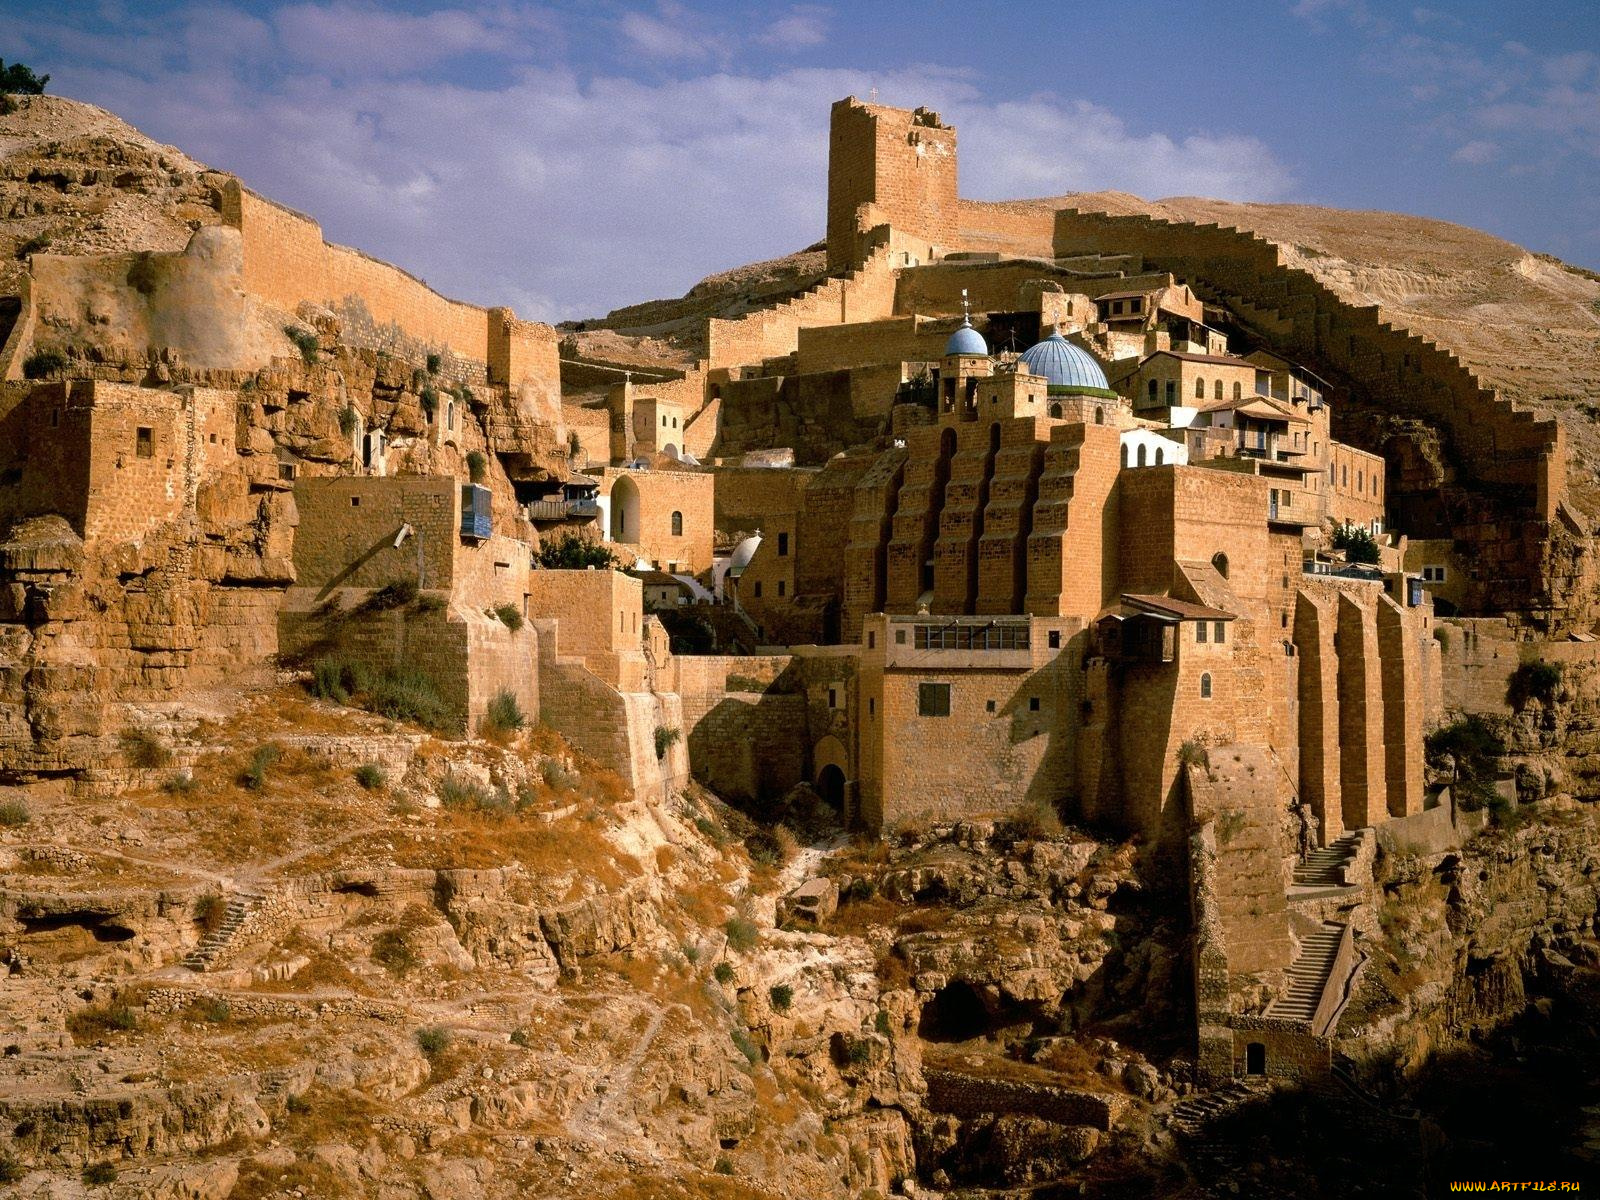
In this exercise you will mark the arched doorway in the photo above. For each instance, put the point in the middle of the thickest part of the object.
(830, 786)
(625, 511)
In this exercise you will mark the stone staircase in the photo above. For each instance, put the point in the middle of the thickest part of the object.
(241, 907)
(1191, 1115)
(1308, 975)
(1324, 868)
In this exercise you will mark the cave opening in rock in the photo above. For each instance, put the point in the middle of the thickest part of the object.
(96, 924)
(955, 1014)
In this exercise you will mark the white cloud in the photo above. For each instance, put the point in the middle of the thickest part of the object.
(1476, 153)
(567, 194)
(353, 38)
(1539, 107)
(673, 34)
(804, 26)
(1044, 146)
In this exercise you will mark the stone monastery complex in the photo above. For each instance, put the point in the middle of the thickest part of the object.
(1016, 507)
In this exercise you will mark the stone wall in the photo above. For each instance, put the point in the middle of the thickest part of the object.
(864, 292)
(286, 263)
(1014, 231)
(1291, 1053)
(816, 415)
(870, 343)
(1015, 713)
(600, 621)
(113, 459)
(965, 1095)
(747, 496)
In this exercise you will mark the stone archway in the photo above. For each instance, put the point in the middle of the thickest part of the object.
(830, 766)
(830, 786)
(625, 511)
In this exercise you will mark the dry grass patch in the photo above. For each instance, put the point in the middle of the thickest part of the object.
(119, 1015)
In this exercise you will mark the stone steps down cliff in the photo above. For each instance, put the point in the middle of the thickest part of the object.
(1324, 868)
(1193, 1114)
(1308, 975)
(241, 907)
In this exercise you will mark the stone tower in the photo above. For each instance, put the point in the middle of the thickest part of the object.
(889, 166)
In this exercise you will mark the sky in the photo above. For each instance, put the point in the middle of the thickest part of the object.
(568, 158)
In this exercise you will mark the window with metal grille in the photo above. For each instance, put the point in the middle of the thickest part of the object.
(933, 699)
(993, 636)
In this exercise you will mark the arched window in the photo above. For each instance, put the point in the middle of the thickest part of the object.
(1124, 453)
(450, 414)
(1216, 392)
(1219, 560)
(1159, 458)
(677, 524)
(1238, 390)
(1055, 410)
(1199, 389)
(1205, 686)
(1099, 415)
(1141, 454)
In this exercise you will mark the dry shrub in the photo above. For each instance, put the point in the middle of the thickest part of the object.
(144, 749)
(894, 972)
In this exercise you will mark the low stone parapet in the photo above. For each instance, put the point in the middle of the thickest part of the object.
(968, 1095)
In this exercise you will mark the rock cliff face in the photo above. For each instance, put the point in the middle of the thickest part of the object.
(1482, 978)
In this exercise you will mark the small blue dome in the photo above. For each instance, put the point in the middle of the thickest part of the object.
(966, 340)
(1064, 365)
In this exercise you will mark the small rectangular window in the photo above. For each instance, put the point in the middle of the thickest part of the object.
(1219, 631)
(144, 441)
(872, 707)
(899, 637)
(1200, 631)
(286, 471)
(781, 585)
(355, 501)
(988, 706)
(833, 697)
(1033, 704)
(1055, 639)
(872, 641)
(933, 699)
(783, 545)
(758, 589)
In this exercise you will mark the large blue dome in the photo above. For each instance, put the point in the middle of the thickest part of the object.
(1064, 365)
(966, 340)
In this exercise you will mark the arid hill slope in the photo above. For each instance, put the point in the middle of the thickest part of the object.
(76, 179)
